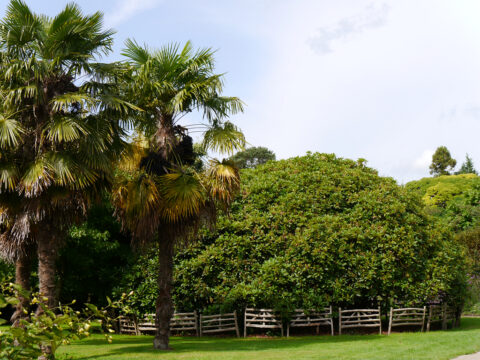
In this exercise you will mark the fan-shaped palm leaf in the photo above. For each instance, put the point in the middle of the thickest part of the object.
(10, 131)
(224, 138)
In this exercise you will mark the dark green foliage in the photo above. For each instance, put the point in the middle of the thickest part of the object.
(317, 230)
(252, 157)
(95, 257)
(467, 167)
(7, 272)
(142, 278)
(442, 162)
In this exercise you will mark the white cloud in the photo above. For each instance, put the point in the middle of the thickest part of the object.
(372, 16)
(424, 160)
(126, 9)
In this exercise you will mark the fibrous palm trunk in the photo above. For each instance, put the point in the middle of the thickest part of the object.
(164, 305)
(22, 278)
(47, 256)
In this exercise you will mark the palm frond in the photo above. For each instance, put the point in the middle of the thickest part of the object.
(9, 177)
(65, 101)
(224, 138)
(10, 131)
(223, 179)
(135, 52)
(20, 26)
(65, 129)
(37, 177)
(183, 194)
(219, 107)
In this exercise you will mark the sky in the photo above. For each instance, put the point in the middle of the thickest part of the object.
(387, 81)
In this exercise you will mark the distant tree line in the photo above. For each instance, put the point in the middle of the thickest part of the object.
(444, 164)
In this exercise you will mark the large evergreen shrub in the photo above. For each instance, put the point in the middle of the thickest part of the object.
(311, 231)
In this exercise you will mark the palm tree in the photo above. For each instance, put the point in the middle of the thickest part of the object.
(59, 127)
(160, 195)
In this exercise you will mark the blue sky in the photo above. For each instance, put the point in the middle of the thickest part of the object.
(386, 81)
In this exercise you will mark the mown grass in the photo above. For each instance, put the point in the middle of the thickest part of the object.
(408, 345)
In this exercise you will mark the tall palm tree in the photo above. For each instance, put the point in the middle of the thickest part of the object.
(59, 127)
(159, 194)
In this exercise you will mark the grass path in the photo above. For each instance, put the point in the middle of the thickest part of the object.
(441, 345)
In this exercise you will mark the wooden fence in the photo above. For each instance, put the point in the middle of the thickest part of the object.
(180, 322)
(262, 319)
(407, 317)
(435, 315)
(128, 325)
(268, 319)
(313, 319)
(211, 324)
(449, 314)
(187, 321)
(359, 318)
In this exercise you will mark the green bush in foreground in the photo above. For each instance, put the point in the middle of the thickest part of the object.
(311, 231)
(40, 336)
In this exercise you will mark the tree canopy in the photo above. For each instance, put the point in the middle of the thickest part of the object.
(467, 167)
(442, 162)
(252, 157)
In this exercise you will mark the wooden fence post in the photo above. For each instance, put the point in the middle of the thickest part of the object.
(236, 323)
(340, 321)
(245, 323)
(423, 318)
(380, 319)
(331, 320)
(429, 317)
(390, 321)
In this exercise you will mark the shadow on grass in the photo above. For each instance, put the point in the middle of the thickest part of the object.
(143, 344)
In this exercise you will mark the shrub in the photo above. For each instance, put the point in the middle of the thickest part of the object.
(316, 230)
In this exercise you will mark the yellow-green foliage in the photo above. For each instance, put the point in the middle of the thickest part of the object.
(439, 194)
(454, 200)
(438, 191)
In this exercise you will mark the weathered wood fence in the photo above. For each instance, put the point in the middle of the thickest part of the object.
(435, 315)
(359, 318)
(180, 322)
(407, 317)
(219, 323)
(268, 319)
(261, 319)
(313, 319)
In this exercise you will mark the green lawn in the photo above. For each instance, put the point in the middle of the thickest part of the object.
(432, 345)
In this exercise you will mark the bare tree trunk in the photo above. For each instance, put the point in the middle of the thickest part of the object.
(47, 256)
(22, 278)
(164, 306)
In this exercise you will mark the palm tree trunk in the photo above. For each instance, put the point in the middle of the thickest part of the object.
(164, 306)
(47, 256)
(22, 278)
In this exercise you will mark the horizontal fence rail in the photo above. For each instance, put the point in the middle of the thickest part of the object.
(300, 318)
(407, 317)
(435, 315)
(179, 322)
(218, 323)
(359, 318)
(261, 319)
(313, 319)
